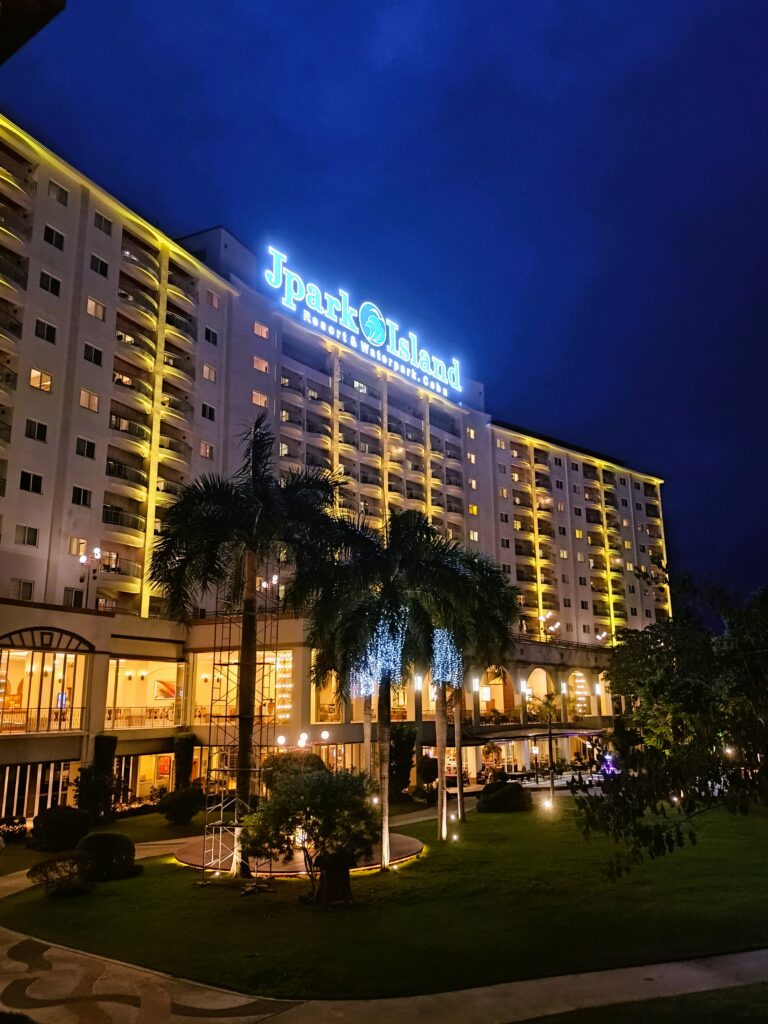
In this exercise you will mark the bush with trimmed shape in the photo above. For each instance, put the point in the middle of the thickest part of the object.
(505, 797)
(67, 874)
(181, 806)
(59, 828)
(113, 855)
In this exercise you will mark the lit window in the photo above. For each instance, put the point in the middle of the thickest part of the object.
(102, 223)
(53, 237)
(206, 450)
(260, 330)
(41, 380)
(561, 506)
(49, 283)
(89, 400)
(209, 372)
(471, 433)
(563, 553)
(94, 355)
(58, 192)
(501, 444)
(472, 484)
(81, 496)
(630, 566)
(77, 546)
(503, 492)
(45, 331)
(99, 266)
(284, 448)
(475, 536)
(260, 399)
(26, 535)
(22, 590)
(208, 412)
(36, 431)
(263, 367)
(517, 524)
(96, 309)
(213, 299)
(471, 458)
(625, 522)
(579, 534)
(31, 482)
(211, 336)
(85, 448)
(627, 545)
(473, 510)
(579, 556)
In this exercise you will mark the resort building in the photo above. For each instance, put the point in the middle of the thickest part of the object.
(130, 363)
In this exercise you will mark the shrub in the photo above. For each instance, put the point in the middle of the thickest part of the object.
(59, 828)
(505, 797)
(401, 749)
(278, 766)
(181, 806)
(96, 785)
(112, 855)
(68, 874)
(428, 770)
(183, 756)
(13, 830)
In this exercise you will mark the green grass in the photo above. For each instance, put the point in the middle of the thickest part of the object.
(518, 896)
(723, 1007)
(144, 828)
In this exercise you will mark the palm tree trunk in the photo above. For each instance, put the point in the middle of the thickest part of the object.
(246, 697)
(385, 716)
(367, 742)
(441, 735)
(458, 701)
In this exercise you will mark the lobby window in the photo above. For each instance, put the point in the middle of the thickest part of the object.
(102, 223)
(58, 192)
(85, 448)
(471, 433)
(504, 542)
(206, 450)
(40, 380)
(45, 331)
(89, 400)
(260, 399)
(73, 598)
(81, 496)
(31, 482)
(49, 283)
(472, 484)
(36, 431)
(77, 546)
(211, 336)
(501, 443)
(471, 458)
(260, 330)
(209, 372)
(503, 517)
(53, 237)
(94, 355)
(475, 536)
(472, 510)
(99, 266)
(263, 367)
(563, 553)
(26, 535)
(503, 492)
(95, 308)
(22, 590)
(208, 412)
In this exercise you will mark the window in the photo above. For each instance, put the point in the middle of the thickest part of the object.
(624, 503)
(569, 627)
(577, 511)
(99, 266)
(91, 354)
(81, 496)
(77, 546)
(561, 506)
(36, 431)
(627, 545)
(562, 531)
(208, 412)
(475, 536)
(563, 553)
(575, 488)
(503, 517)
(633, 611)
(209, 372)
(575, 467)
(631, 588)
(517, 524)
(559, 485)
(504, 542)
(566, 602)
(499, 465)
(586, 629)
(579, 534)
(213, 299)
(85, 448)
(625, 522)
(89, 400)
(284, 450)
(471, 433)
(648, 613)
(638, 506)
(630, 566)
(579, 556)
(263, 366)
(636, 485)
(102, 223)
(22, 590)
(501, 444)
(471, 458)
(53, 237)
(472, 484)
(503, 492)
(506, 569)
(584, 605)
(26, 535)
(96, 309)
(260, 330)
(558, 461)
(31, 482)
(45, 331)
(49, 283)
(41, 380)
(564, 577)
(260, 399)
(211, 336)
(582, 581)
(73, 598)
(58, 192)
(472, 510)
(206, 450)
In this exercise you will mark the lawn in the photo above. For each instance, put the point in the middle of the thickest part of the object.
(143, 828)
(724, 1007)
(517, 896)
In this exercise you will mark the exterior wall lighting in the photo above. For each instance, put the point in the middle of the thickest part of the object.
(325, 735)
(281, 741)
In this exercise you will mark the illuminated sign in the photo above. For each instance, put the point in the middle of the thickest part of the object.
(364, 328)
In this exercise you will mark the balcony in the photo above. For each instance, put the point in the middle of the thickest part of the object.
(46, 720)
(138, 349)
(167, 491)
(8, 380)
(177, 407)
(174, 450)
(15, 228)
(140, 718)
(176, 366)
(13, 185)
(181, 326)
(317, 461)
(136, 258)
(126, 479)
(122, 526)
(182, 287)
(3, 482)
(13, 271)
(137, 303)
(5, 434)
(122, 577)
(136, 392)
(132, 435)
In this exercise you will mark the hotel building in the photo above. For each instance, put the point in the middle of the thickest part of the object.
(130, 363)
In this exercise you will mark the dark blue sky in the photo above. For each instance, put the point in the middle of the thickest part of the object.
(572, 196)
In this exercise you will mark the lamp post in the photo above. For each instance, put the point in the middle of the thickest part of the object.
(85, 560)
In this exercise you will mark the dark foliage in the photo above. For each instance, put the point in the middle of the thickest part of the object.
(182, 805)
(67, 874)
(276, 767)
(184, 744)
(504, 797)
(59, 828)
(402, 742)
(112, 855)
(96, 785)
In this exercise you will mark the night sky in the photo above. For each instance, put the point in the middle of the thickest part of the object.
(570, 196)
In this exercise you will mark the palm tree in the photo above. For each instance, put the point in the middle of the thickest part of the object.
(219, 534)
(375, 604)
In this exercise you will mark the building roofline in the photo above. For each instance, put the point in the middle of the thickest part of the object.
(219, 227)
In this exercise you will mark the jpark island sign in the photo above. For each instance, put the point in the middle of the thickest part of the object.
(363, 328)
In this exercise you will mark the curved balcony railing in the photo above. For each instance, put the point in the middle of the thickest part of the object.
(178, 405)
(10, 325)
(8, 379)
(27, 187)
(132, 570)
(126, 426)
(12, 271)
(181, 323)
(137, 298)
(119, 517)
(184, 286)
(168, 487)
(141, 387)
(180, 365)
(14, 222)
(172, 444)
(5, 432)
(141, 258)
(122, 471)
(138, 341)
